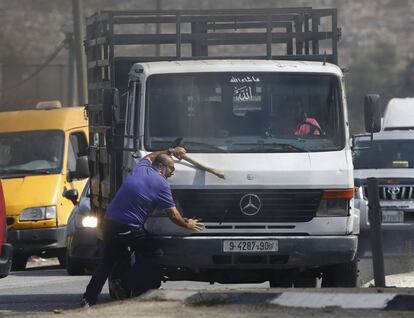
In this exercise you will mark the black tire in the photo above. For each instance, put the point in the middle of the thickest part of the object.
(116, 281)
(73, 267)
(304, 280)
(281, 281)
(341, 275)
(19, 262)
(62, 258)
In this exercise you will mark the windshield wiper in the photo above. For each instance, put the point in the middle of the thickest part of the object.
(267, 147)
(203, 144)
(29, 171)
(284, 146)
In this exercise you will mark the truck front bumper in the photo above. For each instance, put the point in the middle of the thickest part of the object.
(31, 241)
(199, 253)
(6, 259)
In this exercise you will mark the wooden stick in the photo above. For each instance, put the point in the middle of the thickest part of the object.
(200, 166)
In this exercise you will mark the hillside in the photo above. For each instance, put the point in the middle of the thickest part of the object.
(39, 23)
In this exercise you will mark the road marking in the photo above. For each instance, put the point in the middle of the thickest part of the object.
(342, 300)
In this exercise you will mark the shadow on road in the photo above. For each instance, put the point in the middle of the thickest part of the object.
(43, 302)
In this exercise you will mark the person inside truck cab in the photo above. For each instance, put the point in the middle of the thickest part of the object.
(291, 119)
(302, 125)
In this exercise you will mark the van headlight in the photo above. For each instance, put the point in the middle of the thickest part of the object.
(335, 202)
(38, 213)
(86, 221)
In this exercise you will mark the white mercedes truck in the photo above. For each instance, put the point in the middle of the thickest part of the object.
(254, 93)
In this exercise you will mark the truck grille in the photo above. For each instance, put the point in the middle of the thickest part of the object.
(225, 205)
(393, 192)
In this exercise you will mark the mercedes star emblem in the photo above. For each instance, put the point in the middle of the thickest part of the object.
(250, 204)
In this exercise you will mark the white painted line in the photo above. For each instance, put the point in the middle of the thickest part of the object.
(342, 300)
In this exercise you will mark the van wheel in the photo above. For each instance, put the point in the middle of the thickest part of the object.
(62, 258)
(342, 275)
(19, 262)
(74, 267)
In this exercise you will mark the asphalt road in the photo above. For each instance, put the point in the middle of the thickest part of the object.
(45, 287)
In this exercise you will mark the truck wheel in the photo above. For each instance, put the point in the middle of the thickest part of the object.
(304, 280)
(342, 275)
(116, 280)
(74, 267)
(19, 262)
(281, 281)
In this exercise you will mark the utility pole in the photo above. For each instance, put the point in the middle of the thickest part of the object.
(72, 99)
(78, 27)
(158, 28)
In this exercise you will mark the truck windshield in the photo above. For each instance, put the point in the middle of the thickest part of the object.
(31, 152)
(384, 154)
(244, 112)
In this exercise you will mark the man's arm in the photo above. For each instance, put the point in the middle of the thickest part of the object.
(176, 152)
(190, 224)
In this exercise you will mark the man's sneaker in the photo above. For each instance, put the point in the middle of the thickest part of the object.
(85, 303)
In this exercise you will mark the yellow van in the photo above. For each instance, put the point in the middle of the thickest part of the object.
(43, 167)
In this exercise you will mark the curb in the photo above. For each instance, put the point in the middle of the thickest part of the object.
(305, 299)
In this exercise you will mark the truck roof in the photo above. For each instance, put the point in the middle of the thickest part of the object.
(389, 135)
(43, 119)
(197, 66)
(399, 114)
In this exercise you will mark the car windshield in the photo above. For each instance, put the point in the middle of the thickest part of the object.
(383, 154)
(244, 112)
(31, 152)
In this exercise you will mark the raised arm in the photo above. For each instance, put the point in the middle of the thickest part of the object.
(177, 152)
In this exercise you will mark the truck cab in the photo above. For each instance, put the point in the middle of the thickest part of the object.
(43, 167)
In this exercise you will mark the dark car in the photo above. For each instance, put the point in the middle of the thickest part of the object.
(6, 251)
(83, 246)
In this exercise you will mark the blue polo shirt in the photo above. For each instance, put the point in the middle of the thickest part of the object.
(143, 190)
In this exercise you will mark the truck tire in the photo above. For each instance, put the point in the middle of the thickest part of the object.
(281, 281)
(19, 262)
(341, 275)
(304, 280)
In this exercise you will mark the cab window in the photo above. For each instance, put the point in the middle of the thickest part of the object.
(78, 147)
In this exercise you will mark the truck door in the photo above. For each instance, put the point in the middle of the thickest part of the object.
(132, 131)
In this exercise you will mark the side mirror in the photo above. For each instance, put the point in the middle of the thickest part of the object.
(110, 103)
(72, 195)
(372, 113)
(82, 169)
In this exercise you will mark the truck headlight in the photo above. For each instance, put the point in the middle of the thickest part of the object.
(38, 213)
(86, 221)
(335, 202)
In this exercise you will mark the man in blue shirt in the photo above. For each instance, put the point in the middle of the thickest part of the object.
(145, 189)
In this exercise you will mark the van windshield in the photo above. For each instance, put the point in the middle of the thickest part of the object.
(31, 152)
(244, 112)
(384, 154)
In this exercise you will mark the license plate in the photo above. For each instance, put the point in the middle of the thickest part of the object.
(392, 216)
(242, 246)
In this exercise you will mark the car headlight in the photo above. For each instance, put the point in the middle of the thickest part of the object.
(38, 213)
(335, 202)
(86, 221)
